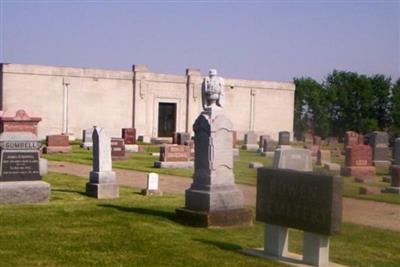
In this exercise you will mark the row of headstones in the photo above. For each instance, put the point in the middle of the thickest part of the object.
(102, 180)
(264, 143)
(378, 141)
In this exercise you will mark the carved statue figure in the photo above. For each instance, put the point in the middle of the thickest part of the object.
(213, 90)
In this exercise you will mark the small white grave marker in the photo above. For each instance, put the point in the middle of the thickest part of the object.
(152, 181)
(152, 185)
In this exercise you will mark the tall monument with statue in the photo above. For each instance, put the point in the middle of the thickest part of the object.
(213, 199)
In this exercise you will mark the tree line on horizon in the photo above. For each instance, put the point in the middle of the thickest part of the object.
(346, 101)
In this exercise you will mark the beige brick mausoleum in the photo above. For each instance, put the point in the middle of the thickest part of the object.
(71, 99)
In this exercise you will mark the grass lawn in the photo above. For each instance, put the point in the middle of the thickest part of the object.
(75, 230)
(243, 174)
(144, 162)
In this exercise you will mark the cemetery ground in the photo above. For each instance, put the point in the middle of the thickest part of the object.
(134, 230)
(144, 161)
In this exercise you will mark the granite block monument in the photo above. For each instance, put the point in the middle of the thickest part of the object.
(323, 156)
(102, 180)
(379, 142)
(174, 156)
(396, 151)
(117, 148)
(284, 138)
(18, 122)
(20, 179)
(301, 200)
(250, 141)
(293, 158)
(213, 199)
(57, 144)
(358, 162)
(87, 142)
(394, 181)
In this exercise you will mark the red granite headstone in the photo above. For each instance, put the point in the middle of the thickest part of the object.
(129, 136)
(117, 148)
(358, 155)
(57, 144)
(57, 140)
(20, 122)
(358, 161)
(170, 153)
(351, 138)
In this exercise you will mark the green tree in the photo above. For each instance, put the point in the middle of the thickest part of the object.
(311, 109)
(395, 114)
(351, 105)
(381, 87)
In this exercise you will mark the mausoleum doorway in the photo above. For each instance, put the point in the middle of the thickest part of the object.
(166, 119)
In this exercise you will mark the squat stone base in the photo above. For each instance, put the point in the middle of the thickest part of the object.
(174, 164)
(366, 171)
(24, 192)
(381, 163)
(102, 191)
(56, 149)
(250, 147)
(147, 192)
(392, 190)
(224, 218)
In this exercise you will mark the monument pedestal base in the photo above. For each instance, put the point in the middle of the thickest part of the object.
(102, 191)
(392, 190)
(291, 259)
(132, 148)
(223, 218)
(174, 164)
(381, 163)
(250, 147)
(24, 192)
(56, 149)
(365, 171)
(147, 192)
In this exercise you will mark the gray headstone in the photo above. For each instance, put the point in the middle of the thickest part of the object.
(183, 137)
(302, 200)
(250, 138)
(396, 153)
(268, 145)
(378, 139)
(103, 182)
(284, 138)
(213, 187)
(87, 135)
(293, 158)
(19, 157)
(261, 140)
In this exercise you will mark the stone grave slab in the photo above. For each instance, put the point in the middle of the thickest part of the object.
(129, 136)
(302, 200)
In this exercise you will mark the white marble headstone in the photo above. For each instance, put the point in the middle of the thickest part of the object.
(152, 181)
(101, 151)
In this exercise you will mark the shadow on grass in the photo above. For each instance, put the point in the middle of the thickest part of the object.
(70, 191)
(159, 213)
(219, 244)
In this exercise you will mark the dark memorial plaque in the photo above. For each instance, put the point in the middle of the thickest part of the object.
(20, 166)
(300, 200)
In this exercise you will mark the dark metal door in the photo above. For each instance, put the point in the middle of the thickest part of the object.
(166, 119)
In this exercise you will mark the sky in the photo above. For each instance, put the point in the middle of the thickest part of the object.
(262, 40)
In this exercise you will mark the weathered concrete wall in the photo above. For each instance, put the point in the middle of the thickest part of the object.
(96, 97)
(117, 99)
